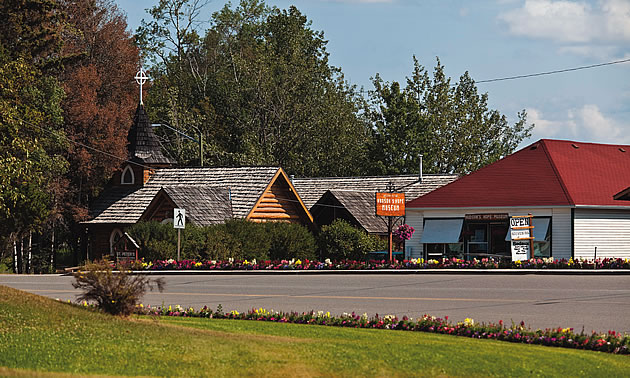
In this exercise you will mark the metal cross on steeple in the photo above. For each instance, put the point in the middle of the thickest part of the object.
(141, 78)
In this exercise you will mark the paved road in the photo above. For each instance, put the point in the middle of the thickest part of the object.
(596, 303)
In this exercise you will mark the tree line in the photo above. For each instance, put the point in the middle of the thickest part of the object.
(253, 83)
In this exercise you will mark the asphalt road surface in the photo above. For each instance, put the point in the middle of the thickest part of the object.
(599, 303)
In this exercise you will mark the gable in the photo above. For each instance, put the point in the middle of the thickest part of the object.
(280, 202)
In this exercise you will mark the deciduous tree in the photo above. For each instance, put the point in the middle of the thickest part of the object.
(451, 125)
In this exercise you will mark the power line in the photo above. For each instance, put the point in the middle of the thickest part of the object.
(59, 134)
(555, 71)
(363, 91)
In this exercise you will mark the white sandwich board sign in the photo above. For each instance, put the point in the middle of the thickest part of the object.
(521, 233)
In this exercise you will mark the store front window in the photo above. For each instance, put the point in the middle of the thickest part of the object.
(479, 236)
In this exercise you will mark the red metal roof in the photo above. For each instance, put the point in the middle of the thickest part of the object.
(545, 173)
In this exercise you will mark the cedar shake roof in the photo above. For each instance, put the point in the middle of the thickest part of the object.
(144, 147)
(312, 189)
(205, 205)
(545, 173)
(126, 206)
(361, 206)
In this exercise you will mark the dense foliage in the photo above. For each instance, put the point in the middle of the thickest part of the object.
(256, 85)
(450, 124)
(236, 239)
(342, 241)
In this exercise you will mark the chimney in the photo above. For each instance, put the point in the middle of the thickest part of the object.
(420, 173)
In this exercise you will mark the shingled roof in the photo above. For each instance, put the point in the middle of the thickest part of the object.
(144, 147)
(361, 206)
(312, 189)
(126, 206)
(207, 204)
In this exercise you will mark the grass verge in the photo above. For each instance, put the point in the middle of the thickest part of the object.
(41, 335)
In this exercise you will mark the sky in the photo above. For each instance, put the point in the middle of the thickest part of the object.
(489, 39)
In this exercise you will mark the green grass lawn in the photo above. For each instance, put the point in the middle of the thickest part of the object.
(40, 335)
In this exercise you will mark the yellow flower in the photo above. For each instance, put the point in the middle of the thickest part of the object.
(469, 321)
(298, 262)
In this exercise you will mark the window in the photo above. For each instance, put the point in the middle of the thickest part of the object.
(114, 237)
(127, 176)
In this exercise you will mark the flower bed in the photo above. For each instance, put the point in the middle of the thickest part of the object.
(453, 263)
(610, 342)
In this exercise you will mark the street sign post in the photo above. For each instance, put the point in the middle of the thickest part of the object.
(390, 205)
(179, 222)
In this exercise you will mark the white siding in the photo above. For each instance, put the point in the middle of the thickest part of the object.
(561, 233)
(561, 225)
(608, 230)
(413, 246)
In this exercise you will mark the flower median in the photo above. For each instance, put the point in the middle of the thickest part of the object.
(446, 263)
(610, 342)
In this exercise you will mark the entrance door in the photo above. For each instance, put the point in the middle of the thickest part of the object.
(498, 245)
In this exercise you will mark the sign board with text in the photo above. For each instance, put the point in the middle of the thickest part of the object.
(521, 233)
(390, 204)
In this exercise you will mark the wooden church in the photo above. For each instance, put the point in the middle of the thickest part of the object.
(148, 186)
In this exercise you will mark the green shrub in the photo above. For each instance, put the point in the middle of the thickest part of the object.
(157, 241)
(238, 238)
(116, 293)
(255, 238)
(290, 240)
(212, 243)
(340, 240)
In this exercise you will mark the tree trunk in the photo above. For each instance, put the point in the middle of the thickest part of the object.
(30, 252)
(16, 258)
(52, 250)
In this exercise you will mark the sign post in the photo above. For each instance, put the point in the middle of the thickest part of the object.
(179, 222)
(390, 205)
(522, 235)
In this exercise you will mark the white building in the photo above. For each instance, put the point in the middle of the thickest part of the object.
(577, 192)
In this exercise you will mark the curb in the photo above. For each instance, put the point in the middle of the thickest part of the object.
(566, 272)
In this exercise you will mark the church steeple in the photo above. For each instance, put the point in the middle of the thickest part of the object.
(144, 147)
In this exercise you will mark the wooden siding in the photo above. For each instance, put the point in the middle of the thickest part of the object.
(608, 230)
(561, 233)
(278, 203)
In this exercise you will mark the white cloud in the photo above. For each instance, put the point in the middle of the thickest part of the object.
(587, 123)
(571, 21)
(601, 52)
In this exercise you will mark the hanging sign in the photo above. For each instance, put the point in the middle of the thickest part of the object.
(179, 218)
(390, 204)
(521, 234)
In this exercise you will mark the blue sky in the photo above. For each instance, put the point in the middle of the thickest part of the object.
(489, 39)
